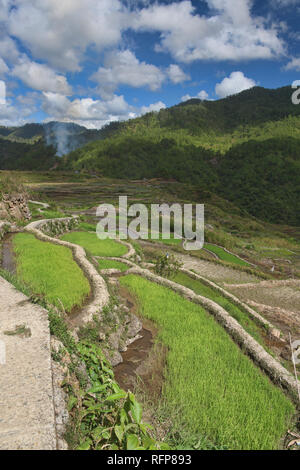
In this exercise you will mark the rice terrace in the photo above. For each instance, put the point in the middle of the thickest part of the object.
(149, 229)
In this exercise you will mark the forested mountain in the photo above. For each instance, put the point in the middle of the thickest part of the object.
(21, 156)
(257, 114)
(63, 136)
(245, 148)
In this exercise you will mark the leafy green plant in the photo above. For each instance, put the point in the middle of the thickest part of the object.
(167, 265)
(104, 416)
(59, 329)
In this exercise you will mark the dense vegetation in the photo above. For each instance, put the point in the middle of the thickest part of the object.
(208, 120)
(41, 264)
(261, 177)
(26, 156)
(216, 390)
(245, 148)
(33, 146)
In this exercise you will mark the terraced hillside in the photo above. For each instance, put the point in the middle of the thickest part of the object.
(141, 321)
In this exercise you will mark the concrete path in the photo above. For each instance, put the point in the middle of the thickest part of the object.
(26, 393)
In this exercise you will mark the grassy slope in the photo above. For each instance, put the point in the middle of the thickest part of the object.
(51, 271)
(96, 247)
(244, 148)
(218, 390)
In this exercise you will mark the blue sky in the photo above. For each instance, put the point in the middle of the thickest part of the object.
(95, 61)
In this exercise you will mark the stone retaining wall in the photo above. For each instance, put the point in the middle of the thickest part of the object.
(14, 206)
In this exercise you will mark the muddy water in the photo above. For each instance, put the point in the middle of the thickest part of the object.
(8, 257)
(135, 359)
(136, 354)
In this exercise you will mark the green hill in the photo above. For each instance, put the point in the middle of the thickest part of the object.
(23, 156)
(246, 148)
(256, 114)
(63, 136)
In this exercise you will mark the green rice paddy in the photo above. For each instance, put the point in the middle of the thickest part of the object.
(112, 264)
(51, 271)
(211, 387)
(224, 255)
(95, 246)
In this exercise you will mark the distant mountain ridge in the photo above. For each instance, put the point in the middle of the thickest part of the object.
(245, 148)
(63, 136)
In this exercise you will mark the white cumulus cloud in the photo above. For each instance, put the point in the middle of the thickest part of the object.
(60, 31)
(2, 93)
(235, 83)
(176, 74)
(294, 64)
(230, 32)
(202, 95)
(40, 77)
(88, 112)
(123, 68)
(3, 67)
(11, 115)
(153, 107)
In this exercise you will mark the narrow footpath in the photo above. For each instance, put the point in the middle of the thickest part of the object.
(27, 418)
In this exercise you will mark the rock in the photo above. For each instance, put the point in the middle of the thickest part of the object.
(132, 340)
(3, 215)
(15, 207)
(123, 346)
(56, 345)
(134, 327)
(114, 358)
(114, 339)
(102, 336)
(275, 333)
(81, 373)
